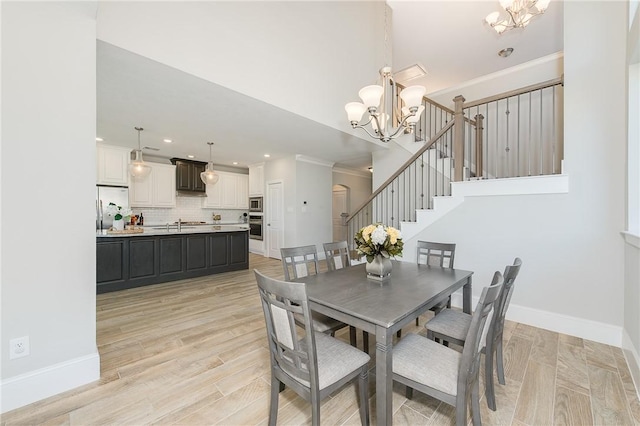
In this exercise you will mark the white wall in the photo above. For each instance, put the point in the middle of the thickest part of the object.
(48, 277)
(250, 61)
(573, 274)
(359, 186)
(313, 203)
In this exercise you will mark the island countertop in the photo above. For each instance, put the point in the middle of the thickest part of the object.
(173, 229)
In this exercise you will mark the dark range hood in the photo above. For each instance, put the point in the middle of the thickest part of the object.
(188, 182)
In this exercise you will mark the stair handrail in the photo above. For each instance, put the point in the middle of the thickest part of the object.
(402, 168)
(516, 92)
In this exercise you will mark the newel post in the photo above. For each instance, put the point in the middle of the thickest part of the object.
(479, 132)
(458, 139)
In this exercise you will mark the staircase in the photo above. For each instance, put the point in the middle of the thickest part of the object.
(510, 143)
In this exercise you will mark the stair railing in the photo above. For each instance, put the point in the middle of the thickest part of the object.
(516, 133)
(412, 187)
(522, 129)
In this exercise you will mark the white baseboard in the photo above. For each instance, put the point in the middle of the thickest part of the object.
(27, 388)
(578, 327)
(633, 360)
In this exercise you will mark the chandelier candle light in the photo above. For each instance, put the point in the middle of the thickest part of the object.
(138, 168)
(209, 177)
(519, 14)
(380, 102)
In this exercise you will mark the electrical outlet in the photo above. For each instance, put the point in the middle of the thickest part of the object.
(19, 347)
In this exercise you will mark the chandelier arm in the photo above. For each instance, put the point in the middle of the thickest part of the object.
(375, 136)
(401, 126)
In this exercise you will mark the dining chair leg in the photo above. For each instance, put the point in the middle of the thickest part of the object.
(499, 363)
(461, 408)
(315, 410)
(417, 321)
(352, 336)
(365, 341)
(475, 403)
(273, 405)
(363, 387)
(489, 385)
(409, 393)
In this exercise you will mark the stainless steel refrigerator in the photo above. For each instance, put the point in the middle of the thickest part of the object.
(109, 194)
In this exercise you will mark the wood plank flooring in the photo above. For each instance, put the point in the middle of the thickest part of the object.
(194, 352)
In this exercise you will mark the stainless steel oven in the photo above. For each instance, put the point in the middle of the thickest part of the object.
(255, 227)
(255, 204)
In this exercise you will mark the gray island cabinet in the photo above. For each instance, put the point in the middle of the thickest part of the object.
(127, 261)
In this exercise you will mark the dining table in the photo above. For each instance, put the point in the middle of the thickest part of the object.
(381, 308)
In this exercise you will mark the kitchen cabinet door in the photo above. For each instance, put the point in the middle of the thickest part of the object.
(229, 190)
(141, 191)
(214, 196)
(156, 190)
(164, 185)
(243, 192)
(112, 165)
(256, 180)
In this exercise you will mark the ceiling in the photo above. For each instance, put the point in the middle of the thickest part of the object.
(448, 38)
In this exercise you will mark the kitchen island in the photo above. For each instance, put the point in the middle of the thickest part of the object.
(158, 255)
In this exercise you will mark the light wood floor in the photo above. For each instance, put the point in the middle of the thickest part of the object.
(194, 352)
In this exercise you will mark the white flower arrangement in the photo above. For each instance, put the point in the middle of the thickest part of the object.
(377, 239)
(118, 212)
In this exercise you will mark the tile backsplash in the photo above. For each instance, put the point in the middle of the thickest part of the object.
(189, 209)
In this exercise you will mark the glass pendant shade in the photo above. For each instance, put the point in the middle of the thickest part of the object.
(492, 18)
(382, 118)
(355, 110)
(542, 5)
(138, 168)
(209, 177)
(412, 95)
(371, 95)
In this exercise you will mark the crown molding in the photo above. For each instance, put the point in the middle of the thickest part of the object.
(352, 172)
(317, 161)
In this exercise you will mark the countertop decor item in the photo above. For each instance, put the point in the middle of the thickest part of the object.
(378, 243)
(120, 215)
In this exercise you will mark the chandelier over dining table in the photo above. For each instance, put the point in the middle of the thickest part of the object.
(381, 104)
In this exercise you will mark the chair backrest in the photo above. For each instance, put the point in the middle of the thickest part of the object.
(299, 262)
(504, 298)
(436, 254)
(470, 363)
(337, 255)
(291, 345)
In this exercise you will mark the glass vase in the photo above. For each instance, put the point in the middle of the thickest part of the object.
(379, 269)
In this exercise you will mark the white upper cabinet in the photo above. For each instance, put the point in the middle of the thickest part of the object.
(256, 180)
(112, 165)
(156, 190)
(230, 192)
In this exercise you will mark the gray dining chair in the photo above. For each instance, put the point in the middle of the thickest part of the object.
(338, 257)
(299, 262)
(312, 364)
(452, 326)
(435, 254)
(442, 372)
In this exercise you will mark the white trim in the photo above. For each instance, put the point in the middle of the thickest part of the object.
(505, 72)
(358, 173)
(317, 161)
(632, 358)
(631, 239)
(527, 185)
(560, 323)
(35, 385)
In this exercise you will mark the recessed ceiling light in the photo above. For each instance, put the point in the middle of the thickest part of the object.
(167, 140)
(99, 140)
(190, 156)
(505, 52)
(235, 163)
(267, 156)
